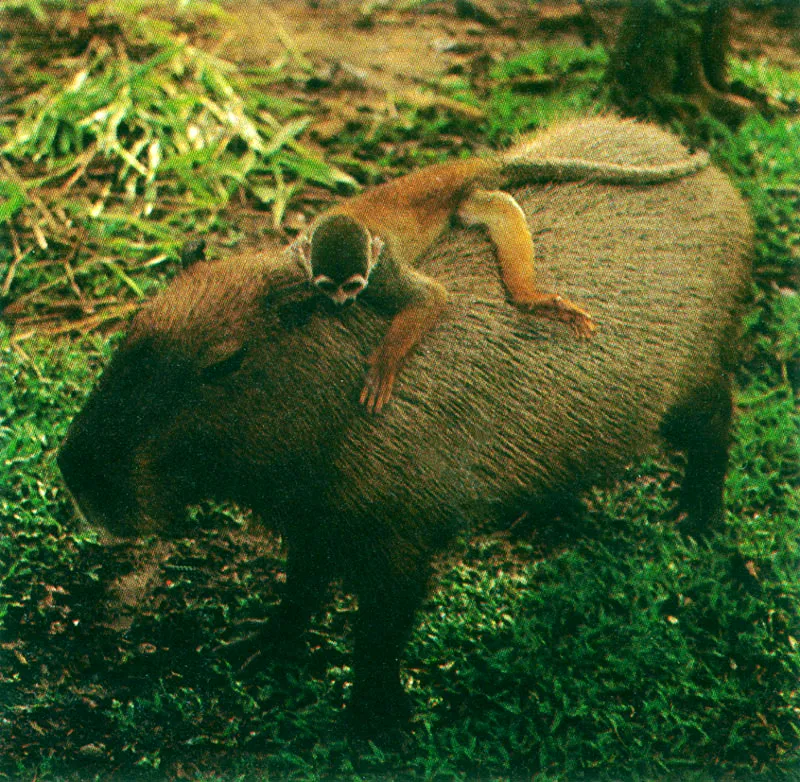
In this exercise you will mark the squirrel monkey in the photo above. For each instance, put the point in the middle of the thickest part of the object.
(366, 246)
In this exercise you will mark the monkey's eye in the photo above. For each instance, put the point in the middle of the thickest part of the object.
(220, 369)
(353, 287)
(327, 286)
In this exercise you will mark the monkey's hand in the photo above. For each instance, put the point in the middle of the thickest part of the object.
(418, 300)
(555, 307)
(383, 368)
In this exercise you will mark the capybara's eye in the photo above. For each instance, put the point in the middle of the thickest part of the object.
(221, 369)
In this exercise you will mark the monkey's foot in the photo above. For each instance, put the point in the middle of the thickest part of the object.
(380, 381)
(555, 307)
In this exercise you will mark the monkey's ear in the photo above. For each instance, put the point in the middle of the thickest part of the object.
(376, 245)
(300, 248)
(193, 250)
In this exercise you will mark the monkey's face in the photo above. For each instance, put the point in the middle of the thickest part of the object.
(341, 292)
(339, 255)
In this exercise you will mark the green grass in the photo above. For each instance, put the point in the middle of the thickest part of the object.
(782, 85)
(122, 148)
(615, 648)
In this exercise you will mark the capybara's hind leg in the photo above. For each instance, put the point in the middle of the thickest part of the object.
(307, 578)
(702, 430)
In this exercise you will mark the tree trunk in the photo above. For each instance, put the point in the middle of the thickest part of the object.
(670, 61)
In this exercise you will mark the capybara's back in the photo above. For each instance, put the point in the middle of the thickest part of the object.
(497, 401)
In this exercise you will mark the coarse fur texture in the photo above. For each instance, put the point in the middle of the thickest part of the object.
(223, 390)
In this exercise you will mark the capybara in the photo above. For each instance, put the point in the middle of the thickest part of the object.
(234, 384)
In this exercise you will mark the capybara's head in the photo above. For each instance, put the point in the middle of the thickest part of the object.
(219, 384)
(118, 459)
(154, 435)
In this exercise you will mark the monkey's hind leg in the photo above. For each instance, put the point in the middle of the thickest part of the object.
(508, 230)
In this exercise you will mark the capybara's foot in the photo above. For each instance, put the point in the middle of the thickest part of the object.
(257, 640)
(380, 715)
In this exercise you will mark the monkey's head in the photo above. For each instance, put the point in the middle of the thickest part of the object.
(340, 254)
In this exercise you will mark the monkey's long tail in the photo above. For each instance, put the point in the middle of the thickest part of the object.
(520, 171)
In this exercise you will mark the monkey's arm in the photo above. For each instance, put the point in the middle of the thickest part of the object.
(417, 302)
(508, 230)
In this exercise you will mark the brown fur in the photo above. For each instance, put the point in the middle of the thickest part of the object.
(220, 391)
